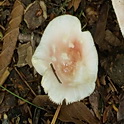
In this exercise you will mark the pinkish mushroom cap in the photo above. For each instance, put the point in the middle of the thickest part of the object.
(67, 59)
(118, 6)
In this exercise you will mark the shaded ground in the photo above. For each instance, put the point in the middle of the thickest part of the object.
(21, 26)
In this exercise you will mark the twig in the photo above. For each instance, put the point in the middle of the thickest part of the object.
(24, 81)
(55, 73)
(56, 114)
(113, 88)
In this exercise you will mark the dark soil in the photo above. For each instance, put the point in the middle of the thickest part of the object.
(18, 77)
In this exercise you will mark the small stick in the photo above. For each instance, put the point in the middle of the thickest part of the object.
(25, 81)
(55, 73)
(56, 115)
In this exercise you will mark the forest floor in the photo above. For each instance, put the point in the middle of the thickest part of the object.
(22, 99)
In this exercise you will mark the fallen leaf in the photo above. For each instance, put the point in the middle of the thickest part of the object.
(29, 56)
(25, 55)
(44, 9)
(4, 3)
(75, 4)
(120, 113)
(24, 38)
(1, 3)
(107, 113)
(94, 99)
(92, 15)
(101, 26)
(4, 76)
(8, 102)
(10, 38)
(43, 100)
(1, 35)
(35, 14)
(2, 95)
(115, 69)
(77, 112)
(26, 2)
(111, 38)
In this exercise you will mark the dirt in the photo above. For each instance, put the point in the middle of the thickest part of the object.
(22, 99)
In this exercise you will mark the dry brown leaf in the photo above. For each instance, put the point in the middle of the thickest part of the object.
(120, 113)
(25, 55)
(115, 70)
(77, 113)
(75, 4)
(8, 102)
(4, 76)
(11, 35)
(94, 101)
(35, 14)
(107, 113)
(111, 38)
(92, 15)
(29, 56)
(44, 9)
(2, 95)
(4, 3)
(101, 26)
(43, 100)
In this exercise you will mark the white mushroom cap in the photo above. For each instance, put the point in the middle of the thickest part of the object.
(73, 56)
(118, 6)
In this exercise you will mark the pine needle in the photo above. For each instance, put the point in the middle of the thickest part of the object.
(21, 98)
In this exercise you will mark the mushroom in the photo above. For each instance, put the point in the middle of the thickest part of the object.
(67, 59)
(118, 6)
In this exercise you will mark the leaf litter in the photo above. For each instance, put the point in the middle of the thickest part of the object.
(10, 38)
(105, 105)
(25, 53)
